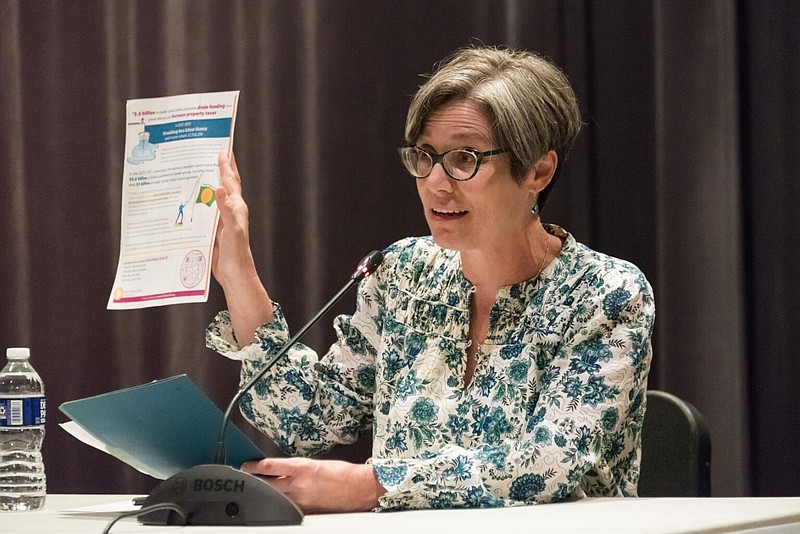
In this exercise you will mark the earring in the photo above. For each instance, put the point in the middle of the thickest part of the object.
(535, 207)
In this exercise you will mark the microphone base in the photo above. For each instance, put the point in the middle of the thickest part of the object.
(219, 495)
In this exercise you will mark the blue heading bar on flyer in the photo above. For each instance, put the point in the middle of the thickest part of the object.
(188, 129)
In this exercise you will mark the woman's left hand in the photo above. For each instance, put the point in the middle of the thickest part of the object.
(321, 486)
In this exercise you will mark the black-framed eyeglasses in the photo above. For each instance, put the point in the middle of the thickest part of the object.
(460, 163)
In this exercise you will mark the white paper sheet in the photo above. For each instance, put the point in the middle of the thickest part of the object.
(169, 211)
(106, 508)
(78, 432)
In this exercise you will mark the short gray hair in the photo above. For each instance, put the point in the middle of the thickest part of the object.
(528, 100)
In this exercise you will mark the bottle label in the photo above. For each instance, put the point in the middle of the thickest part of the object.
(26, 411)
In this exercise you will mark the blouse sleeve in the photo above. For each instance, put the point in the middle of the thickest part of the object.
(581, 431)
(307, 406)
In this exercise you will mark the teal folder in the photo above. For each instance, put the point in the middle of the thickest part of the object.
(165, 426)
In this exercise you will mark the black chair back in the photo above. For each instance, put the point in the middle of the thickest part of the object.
(676, 449)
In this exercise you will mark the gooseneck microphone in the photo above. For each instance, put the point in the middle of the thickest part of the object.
(366, 267)
(217, 494)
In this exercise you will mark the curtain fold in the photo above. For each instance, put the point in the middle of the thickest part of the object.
(699, 226)
(686, 167)
(769, 47)
(14, 296)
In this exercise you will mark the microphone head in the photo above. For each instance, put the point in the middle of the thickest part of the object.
(368, 265)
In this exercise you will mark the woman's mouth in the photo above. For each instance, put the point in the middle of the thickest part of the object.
(447, 214)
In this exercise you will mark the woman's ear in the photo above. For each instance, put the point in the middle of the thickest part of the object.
(542, 172)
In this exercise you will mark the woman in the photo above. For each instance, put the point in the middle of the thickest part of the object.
(497, 362)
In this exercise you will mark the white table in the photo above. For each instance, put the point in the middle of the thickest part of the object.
(599, 516)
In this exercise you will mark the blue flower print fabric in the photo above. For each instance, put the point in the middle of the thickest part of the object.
(554, 409)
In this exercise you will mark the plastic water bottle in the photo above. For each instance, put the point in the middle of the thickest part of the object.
(22, 418)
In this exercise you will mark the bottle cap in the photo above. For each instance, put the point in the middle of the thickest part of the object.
(18, 353)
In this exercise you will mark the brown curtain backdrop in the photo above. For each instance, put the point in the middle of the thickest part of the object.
(686, 167)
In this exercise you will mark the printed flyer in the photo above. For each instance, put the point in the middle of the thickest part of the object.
(169, 210)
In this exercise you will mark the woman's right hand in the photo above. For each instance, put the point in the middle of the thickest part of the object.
(232, 263)
(233, 258)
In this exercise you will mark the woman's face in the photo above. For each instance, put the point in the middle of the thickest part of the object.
(485, 213)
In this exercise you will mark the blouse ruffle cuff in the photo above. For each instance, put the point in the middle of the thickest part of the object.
(402, 485)
(221, 338)
(393, 476)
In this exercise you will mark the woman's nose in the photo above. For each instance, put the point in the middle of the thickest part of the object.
(438, 179)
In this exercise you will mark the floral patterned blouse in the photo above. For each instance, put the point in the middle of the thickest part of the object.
(554, 409)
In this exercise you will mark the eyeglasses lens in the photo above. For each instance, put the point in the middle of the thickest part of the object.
(417, 162)
(460, 164)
